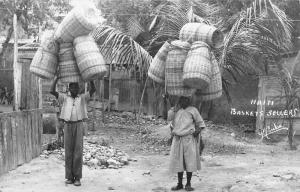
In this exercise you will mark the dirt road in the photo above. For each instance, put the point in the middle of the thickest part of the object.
(268, 168)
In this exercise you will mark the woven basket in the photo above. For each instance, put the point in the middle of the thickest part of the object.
(90, 61)
(78, 22)
(49, 43)
(209, 34)
(174, 69)
(85, 45)
(214, 89)
(157, 67)
(66, 52)
(197, 68)
(68, 72)
(65, 45)
(44, 64)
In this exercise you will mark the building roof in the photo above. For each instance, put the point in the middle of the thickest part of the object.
(20, 42)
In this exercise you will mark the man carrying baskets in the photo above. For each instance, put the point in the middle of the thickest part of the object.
(73, 113)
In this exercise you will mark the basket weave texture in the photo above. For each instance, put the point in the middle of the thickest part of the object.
(44, 64)
(197, 70)
(214, 89)
(90, 61)
(174, 69)
(73, 25)
(209, 34)
(68, 70)
(66, 52)
(51, 45)
(157, 67)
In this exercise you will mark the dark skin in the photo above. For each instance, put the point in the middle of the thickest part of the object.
(73, 88)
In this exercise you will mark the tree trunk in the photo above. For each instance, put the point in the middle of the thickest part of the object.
(5, 44)
(291, 134)
(165, 109)
(290, 119)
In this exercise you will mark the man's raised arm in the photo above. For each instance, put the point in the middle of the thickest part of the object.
(53, 86)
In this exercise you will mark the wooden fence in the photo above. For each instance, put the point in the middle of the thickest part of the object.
(130, 93)
(20, 138)
(21, 130)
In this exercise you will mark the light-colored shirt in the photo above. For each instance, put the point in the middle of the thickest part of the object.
(74, 116)
(73, 109)
(184, 120)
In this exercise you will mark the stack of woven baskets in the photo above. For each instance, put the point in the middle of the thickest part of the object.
(70, 52)
(187, 65)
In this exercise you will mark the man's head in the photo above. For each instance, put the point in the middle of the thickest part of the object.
(74, 89)
(184, 102)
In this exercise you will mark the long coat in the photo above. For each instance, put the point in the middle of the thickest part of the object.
(185, 155)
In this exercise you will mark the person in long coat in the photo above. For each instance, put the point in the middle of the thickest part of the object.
(186, 125)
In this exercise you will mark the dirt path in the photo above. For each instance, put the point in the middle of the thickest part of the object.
(272, 169)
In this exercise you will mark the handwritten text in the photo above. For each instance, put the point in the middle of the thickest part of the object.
(265, 132)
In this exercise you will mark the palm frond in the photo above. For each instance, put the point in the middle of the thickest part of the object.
(271, 17)
(120, 49)
(134, 27)
(263, 30)
(296, 61)
(175, 14)
(205, 9)
(173, 18)
(153, 23)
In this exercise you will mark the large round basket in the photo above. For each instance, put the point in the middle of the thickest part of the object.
(174, 69)
(44, 64)
(214, 89)
(68, 72)
(209, 34)
(197, 68)
(78, 22)
(157, 67)
(90, 61)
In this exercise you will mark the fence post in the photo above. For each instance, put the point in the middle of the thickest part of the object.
(17, 68)
(109, 89)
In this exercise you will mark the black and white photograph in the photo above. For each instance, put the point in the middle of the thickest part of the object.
(149, 95)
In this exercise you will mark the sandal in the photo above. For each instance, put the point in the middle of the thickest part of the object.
(188, 187)
(178, 187)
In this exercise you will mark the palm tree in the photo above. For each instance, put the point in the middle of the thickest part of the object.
(120, 49)
(260, 31)
(255, 36)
